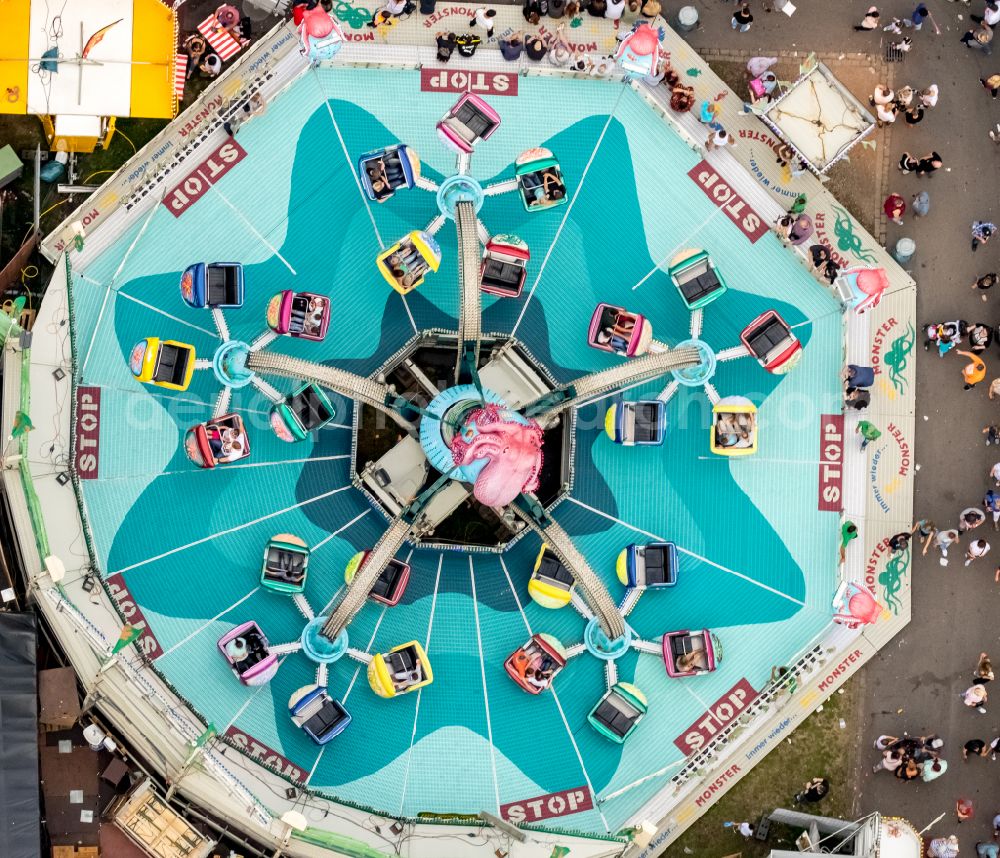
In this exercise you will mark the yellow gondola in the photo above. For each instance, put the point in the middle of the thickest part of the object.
(551, 583)
(164, 363)
(406, 263)
(734, 429)
(402, 669)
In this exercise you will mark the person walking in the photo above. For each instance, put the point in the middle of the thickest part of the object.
(614, 12)
(917, 17)
(894, 207)
(742, 19)
(984, 670)
(869, 22)
(943, 847)
(995, 473)
(928, 164)
(925, 529)
(933, 768)
(484, 18)
(869, 432)
(943, 540)
(963, 809)
(848, 532)
(990, 16)
(991, 503)
(908, 163)
(982, 232)
(992, 83)
(980, 36)
(970, 518)
(986, 282)
(899, 542)
(975, 747)
(891, 760)
(929, 96)
(815, 790)
(987, 850)
(720, 139)
(921, 204)
(882, 94)
(974, 371)
(975, 697)
(977, 548)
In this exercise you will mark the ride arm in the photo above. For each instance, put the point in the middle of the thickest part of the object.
(347, 384)
(590, 587)
(366, 576)
(469, 312)
(639, 369)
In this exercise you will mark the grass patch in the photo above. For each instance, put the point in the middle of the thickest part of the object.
(25, 132)
(819, 747)
(101, 163)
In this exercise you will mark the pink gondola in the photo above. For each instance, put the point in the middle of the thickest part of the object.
(248, 655)
(470, 120)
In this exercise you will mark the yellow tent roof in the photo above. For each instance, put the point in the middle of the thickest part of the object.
(127, 71)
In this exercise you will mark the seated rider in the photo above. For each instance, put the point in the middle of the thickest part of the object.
(607, 337)
(624, 324)
(539, 671)
(405, 678)
(542, 187)
(393, 170)
(237, 650)
(731, 429)
(379, 181)
(216, 439)
(317, 310)
(688, 661)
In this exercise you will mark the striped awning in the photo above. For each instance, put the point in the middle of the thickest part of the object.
(219, 38)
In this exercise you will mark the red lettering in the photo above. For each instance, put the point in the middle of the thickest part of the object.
(86, 454)
(130, 610)
(737, 209)
(717, 785)
(487, 83)
(264, 755)
(721, 713)
(196, 183)
(542, 807)
(831, 454)
(840, 669)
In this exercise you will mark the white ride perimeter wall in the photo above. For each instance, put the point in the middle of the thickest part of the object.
(874, 488)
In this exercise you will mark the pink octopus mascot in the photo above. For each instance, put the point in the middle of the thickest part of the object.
(321, 36)
(512, 446)
(867, 286)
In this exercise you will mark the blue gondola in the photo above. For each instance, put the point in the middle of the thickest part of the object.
(213, 284)
(650, 565)
(319, 716)
(384, 171)
(641, 423)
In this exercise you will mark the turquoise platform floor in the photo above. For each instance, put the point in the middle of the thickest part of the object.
(757, 559)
